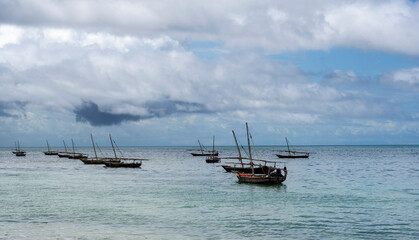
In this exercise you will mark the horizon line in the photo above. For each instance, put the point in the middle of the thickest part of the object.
(192, 146)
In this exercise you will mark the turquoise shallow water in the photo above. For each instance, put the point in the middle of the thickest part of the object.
(340, 192)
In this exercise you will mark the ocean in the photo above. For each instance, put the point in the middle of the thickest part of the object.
(340, 192)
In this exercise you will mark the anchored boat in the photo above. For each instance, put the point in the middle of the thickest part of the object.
(96, 159)
(75, 155)
(64, 154)
(292, 154)
(18, 152)
(49, 152)
(213, 158)
(121, 162)
(204, 152)
(244, 167)
(273, 174)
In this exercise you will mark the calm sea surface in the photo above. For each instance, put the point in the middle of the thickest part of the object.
(340, 192)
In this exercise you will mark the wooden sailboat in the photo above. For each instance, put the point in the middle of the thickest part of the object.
(120, 162)
(49, 152)
(213, 158)
(272, 176)
(18, 152)
(204, 152)
(15, 151)
(75, 155)
(64, 154)
(242, 166)
(96, 159)
(292, 154)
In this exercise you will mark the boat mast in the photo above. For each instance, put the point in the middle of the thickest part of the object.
(250, 150)
(74, 151)
(289, 152)
(200, 146)
(65, 146)
(48, 146)
(238, 148)
(93, 142)
(213, 147)
(18, 146)
(110, 137)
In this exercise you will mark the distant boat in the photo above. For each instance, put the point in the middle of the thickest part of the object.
(292, 154)
(273, 176)
(15, 151)
(213, 158)
(96, 159)
(18, 152)
(204, 152)
(49, 152)
(64, 154)
(120, 162)
(75, 155)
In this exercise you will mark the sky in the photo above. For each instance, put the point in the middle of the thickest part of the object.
(167, 73)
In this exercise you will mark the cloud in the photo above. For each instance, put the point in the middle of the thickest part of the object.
(339, 77)
(168, 107)
(132, 67)
(10, 34)
(89, 112)
(11, 109)
(155, 77)
(129, 62)
(384, 25)
(274, 26)
(3, 112)
(407, 79)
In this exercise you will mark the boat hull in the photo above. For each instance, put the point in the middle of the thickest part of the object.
(257, 170)
(20, 154)
(213, 160)
(77, 156)
(51, 153)
(123, 164)
(63, 155)
(292, 156)
(97, 161)
(259, 179)
(204, 154)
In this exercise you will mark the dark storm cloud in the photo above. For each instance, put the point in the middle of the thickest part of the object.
(89, 112)
(3, 112)
(6, 107)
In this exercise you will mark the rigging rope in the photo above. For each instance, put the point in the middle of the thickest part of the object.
(254, 149)
(243, 148)
(118, 148)
(100, 150)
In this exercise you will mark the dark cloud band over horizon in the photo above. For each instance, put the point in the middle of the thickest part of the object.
(89, 112)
